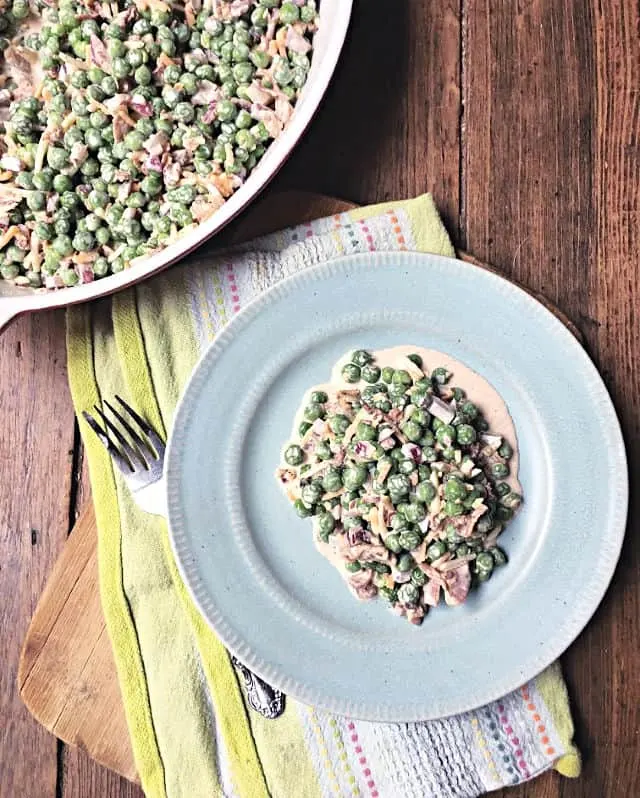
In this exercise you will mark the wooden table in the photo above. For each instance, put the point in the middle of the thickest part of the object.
(522, 117)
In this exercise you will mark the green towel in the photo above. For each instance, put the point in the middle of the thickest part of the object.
(191, 731)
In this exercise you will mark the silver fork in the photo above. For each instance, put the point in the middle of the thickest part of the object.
(140, 459)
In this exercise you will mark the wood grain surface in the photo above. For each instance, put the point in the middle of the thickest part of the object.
(522, 117)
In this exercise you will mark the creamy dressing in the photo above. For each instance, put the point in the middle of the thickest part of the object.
(477, 388)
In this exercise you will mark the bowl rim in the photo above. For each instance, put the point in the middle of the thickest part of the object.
(17, 300)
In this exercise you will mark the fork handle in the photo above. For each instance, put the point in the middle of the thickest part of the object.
(265, 699)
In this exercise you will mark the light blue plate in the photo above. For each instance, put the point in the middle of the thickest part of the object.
(250, 563)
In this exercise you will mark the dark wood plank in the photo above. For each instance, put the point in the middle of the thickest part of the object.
(35, 463)
(82, 777)
(389, 126)
(550, 195)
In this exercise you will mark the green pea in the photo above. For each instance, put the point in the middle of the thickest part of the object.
(504, 513)
(453, 508)
(354, 476)
(36, 200)
(326, 524)
(466, 434)
(415, 512)
(392, 542)
(44, 231)
(184, 112)
(440, 375)
(499, 557)
(42, 181)
(332, 480)
(469, 410)
(9, 271)
(83, 242)
(370, 373)
(323, 451)
(406, 466)
(311, 493)
(388, 593)
(455, 489)
(485, 523)
(446, 434)
(319, 397)
(103, 236)
(408, 594)
(500, 470)
(418, 577)
(426, 492)
(351, 372)
(69, 277)
(401, 377)
(399, 485)
(506, 450)
(293, 455)
(410, 540)
(436, 550)
(366, 432)
(304, 428)
(511, 500)
(502, 489)
(412, 430)
(361, 357)
(484, 561)
(405, 563)
(301, 509)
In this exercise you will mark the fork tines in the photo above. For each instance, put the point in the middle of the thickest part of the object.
(143, 447)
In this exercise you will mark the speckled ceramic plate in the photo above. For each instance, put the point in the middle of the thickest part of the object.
(251, 565)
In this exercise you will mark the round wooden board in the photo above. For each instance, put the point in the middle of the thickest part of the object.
(67, 676)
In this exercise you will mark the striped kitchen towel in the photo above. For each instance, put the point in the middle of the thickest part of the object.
(191, 731)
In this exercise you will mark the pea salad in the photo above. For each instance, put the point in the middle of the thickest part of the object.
(407, 486)
(125, 124)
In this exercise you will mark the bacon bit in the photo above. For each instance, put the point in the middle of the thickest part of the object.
(97, 52)
(124, 189)
(375, 520)
(431, 593)
(415, 615)
(79, 154)
(457, 563)
(441, 410)
(84, 257)
(412, 451)
(206, 94)
(9, 198)
(171, 174)
(281, 43)
(268, 118)
(492, 441)
(141, 105)
(225, 184)
(296, 41)
(189, 14)
(259, 95)
(120, 128)
(458, 584)
(202, 209)
(283, 109)
(21, 64)
(156, 143)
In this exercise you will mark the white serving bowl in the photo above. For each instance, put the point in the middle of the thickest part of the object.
(328, 42)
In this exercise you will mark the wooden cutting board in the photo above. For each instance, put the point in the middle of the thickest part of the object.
(67, 675)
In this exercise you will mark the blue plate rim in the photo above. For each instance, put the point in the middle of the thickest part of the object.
(365, 710)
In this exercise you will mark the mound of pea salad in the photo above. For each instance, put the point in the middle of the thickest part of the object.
(407, 486)
(125, 124)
